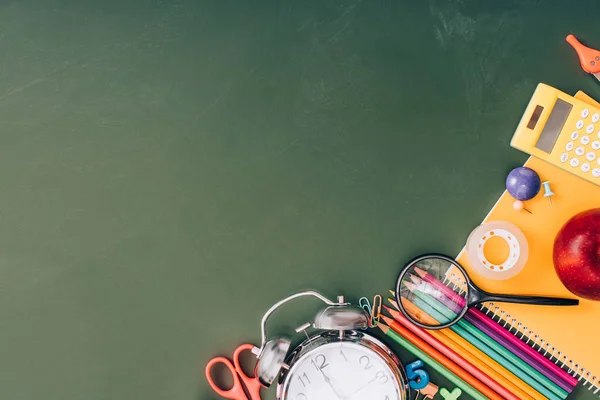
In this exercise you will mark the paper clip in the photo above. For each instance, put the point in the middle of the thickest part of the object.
(376, 315)
(364, 303)
(373, 311)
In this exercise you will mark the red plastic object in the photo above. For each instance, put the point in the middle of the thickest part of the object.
(588, 57)
(239, 376)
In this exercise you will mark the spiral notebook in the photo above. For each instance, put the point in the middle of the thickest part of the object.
(566, 335)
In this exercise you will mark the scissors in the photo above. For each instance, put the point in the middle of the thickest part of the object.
(251, 384)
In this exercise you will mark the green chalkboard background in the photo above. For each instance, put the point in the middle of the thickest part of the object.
(171, 168)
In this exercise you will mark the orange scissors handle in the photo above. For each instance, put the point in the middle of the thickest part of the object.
(588, 58)
(237, 391)
(252, 383)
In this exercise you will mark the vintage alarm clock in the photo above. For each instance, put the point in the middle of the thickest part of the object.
(339, 363)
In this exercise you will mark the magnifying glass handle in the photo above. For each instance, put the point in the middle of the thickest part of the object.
(536, 300)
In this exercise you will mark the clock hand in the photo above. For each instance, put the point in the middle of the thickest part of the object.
(360, 388)
(328, 381)
(334, 391)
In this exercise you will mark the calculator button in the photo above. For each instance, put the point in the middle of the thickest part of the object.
(574, 162)
(585, 140)
(575, 135)
(585, 167)
(579, 124)
(591, 156)
(580, 151)
(596, 172)
(596, 145)
(589, 129)
(584, 113)
(595, 118)
(564, 157)
(569, 146)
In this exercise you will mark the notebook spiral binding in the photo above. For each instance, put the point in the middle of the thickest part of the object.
(534, 341)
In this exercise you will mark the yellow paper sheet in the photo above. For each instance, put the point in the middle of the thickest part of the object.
(574, 331)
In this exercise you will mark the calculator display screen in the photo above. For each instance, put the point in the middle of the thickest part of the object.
(554, 125)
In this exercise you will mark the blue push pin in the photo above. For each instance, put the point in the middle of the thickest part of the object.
(453, 395)
(547, 191)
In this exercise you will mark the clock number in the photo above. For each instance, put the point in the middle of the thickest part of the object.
(367, 362)
(343, 355)
(381, 377)
(302, 396)
(387, 397)
(322, 361)
(302, 380)
(418, 377)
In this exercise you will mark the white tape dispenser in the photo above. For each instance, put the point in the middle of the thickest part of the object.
(505, 263)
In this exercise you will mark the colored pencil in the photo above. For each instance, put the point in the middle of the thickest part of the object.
(535, 359)
(545, 364)
(452, 295)
(434, 292)
(433, 363)
(442, 359)
(441, 306)
(472, 327)
(473, 334)
(449, 316)
(487, 356)
(478, 359)
(493, 350)
(496, 336)
(456, 358)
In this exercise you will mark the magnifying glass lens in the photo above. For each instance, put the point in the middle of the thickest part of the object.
(433, 292)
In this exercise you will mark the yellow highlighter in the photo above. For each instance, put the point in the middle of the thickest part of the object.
(562, 130)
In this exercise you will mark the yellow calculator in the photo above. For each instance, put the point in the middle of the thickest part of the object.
(562, 130)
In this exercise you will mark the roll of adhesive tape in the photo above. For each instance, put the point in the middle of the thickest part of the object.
(517, 253)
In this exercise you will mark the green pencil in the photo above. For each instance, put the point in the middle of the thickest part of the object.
(448, 314)
(496, 351)
(470, 390)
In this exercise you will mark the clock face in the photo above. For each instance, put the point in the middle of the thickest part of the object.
(341, 371)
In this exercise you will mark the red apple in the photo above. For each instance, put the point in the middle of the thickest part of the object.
(577, 254)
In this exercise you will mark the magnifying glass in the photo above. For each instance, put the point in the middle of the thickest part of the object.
(434, 292)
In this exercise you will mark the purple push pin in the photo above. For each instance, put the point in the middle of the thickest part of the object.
(523, 183)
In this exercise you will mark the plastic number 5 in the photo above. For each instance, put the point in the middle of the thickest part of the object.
(418, 377)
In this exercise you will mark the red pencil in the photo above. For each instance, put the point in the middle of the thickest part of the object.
(442, 359)
(460, 361)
